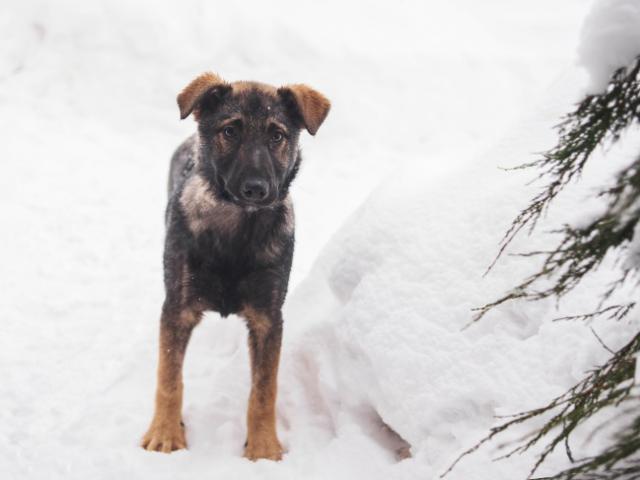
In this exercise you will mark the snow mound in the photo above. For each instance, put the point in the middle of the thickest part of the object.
(610, 39)
(393, 290)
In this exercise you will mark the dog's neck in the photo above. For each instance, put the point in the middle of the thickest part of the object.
(205, 210)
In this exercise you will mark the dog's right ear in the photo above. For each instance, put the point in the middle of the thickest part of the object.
(204, 91)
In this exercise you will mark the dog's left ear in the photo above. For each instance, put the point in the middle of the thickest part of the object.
(311, 106)
(207, 86)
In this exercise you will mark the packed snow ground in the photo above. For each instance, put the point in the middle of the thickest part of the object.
(400, 207)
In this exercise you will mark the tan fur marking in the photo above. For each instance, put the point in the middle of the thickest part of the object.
(203, 211)
(313, 106)
(262, 440)
(272, 248)
(256, 320)
(281, 150)
(188, 98)
(280, 126)
(245, 86)
(166, 432)
(290, 219)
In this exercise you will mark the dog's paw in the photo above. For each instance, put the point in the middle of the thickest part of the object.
(164, 437)
(267, 448)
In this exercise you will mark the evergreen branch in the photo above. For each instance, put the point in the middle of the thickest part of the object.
(616, 312)
(603, 465)
(604, 386)
(597, 120)
(604, 345)
(582, 249)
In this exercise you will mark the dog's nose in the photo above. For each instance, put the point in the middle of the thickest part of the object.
(254, 190)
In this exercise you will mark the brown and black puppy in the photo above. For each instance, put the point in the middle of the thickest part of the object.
(229, 238)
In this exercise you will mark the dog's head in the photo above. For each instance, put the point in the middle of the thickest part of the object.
(249, 134)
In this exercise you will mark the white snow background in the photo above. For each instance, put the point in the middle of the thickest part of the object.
(400, 206)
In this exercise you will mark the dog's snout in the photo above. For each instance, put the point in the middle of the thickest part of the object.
(254, 190)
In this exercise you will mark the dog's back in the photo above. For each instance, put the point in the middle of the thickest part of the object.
(182, 163)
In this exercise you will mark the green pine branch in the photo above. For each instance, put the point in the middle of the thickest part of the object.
(598, 121)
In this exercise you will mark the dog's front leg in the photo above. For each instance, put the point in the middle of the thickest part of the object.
(265, 337)
(166, 432)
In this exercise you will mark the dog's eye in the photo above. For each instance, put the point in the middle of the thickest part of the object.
(229, 132)
(276, 137)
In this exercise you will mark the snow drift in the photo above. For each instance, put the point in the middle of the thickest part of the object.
(393, 290)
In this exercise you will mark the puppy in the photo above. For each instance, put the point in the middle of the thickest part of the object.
(229, 238)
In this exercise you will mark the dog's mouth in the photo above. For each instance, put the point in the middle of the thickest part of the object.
(248, 205)
(227, 195)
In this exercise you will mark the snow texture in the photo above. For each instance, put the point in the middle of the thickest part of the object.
(610, 40)
(400, 206)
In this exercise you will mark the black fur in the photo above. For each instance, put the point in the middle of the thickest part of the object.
(227, 271)
(229, 238)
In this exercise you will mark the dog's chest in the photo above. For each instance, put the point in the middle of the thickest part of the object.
(224, 271)
(215, 282)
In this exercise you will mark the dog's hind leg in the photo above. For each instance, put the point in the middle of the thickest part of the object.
(166, 432)
(265, 337)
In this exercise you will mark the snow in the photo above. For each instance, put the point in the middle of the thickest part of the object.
(610, 40)
(398, 283)
(399, 207)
